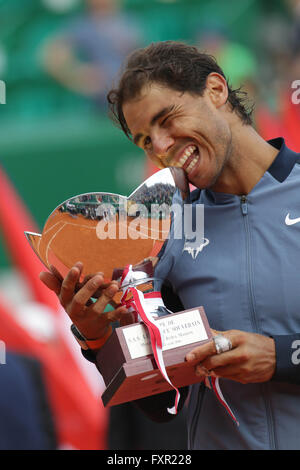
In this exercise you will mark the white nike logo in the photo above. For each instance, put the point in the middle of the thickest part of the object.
(289, 221)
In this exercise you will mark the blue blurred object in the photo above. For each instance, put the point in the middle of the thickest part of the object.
(26, 421)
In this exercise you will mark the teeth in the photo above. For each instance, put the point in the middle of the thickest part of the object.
(186, 155)
(189, 151)
(183, 159)
(192, 164)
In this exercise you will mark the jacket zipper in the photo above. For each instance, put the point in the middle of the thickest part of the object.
(244, 209)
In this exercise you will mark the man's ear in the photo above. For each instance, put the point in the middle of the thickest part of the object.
(217, 89)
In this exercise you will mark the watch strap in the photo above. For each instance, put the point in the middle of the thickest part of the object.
(85, 343)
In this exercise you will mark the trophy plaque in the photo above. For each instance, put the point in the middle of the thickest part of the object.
(122, 237)
(131, 371)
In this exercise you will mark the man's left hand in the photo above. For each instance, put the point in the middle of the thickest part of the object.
(252, 358)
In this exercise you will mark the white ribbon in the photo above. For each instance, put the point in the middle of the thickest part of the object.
(145, 307)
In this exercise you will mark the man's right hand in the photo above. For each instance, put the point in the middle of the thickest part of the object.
(87, 316)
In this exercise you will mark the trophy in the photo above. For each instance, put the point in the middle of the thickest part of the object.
(123, 238)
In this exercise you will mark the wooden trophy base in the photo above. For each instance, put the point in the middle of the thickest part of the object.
(128, 366)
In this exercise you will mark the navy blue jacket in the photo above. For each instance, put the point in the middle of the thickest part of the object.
(247, 278)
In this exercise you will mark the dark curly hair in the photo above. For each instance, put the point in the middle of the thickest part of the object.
(176, 65)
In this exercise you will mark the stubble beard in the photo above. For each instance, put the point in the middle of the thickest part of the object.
(224, 161)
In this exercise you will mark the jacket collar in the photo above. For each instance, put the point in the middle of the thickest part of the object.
(280, 170)
(284, 161)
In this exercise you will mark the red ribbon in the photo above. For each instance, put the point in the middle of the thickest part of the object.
(155, 336)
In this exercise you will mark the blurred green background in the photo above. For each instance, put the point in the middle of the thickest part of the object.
(55, 142)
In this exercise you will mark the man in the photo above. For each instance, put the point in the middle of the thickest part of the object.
(175, 103)
(85, 56)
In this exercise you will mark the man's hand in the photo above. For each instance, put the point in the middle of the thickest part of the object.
(251, 359)
(75, 297)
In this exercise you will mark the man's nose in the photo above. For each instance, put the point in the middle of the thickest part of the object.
(162, 143)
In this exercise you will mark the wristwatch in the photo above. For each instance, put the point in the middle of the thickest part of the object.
(90, 343)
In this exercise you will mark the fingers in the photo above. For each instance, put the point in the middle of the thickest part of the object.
(51, 282)
(56, 272)
(208, 362)
(76, 298)
(73, 295)
(54, 280)
(225, 363)
(117, 314)
(227, 372)
(90, 276)
(107, 295)
(81, 298)
(127, 318)
(68, 285)
(201, 352)
(208, 349)
(251, 360)
(219, 360)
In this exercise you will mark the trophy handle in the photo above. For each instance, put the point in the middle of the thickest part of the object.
(34, 240)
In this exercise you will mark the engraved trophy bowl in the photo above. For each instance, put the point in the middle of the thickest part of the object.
(106, 231)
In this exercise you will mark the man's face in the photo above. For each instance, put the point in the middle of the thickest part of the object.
(102, 5)
(182, 130)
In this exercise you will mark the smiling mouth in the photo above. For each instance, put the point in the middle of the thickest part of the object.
(189, 159)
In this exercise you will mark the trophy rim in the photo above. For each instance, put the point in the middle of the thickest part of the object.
(78, 195)
(170, 170)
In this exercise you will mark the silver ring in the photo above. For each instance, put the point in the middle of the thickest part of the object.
(222, 344)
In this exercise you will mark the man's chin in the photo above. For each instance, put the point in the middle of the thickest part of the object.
(201, 184)
(205, 182)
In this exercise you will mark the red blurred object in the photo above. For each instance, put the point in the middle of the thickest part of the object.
(285, 123)
(80, 418)
(14, 219)
(290, 113)
(150, 168)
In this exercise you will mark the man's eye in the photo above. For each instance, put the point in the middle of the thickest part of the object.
(147, 141)
(165, 120)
